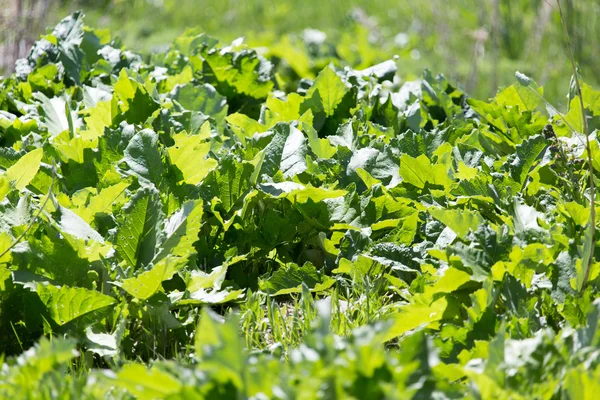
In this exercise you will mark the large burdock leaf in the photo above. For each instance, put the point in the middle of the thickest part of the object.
(73, 224)
(138, 226)
(289, 279)
(460, 221)
(56, 114)
(147, 383)
(149, 282)
(415, 315)
(143, 157)
(203, 98)
(219, 346)
(69, 33)
(65, 303)
(526, 154)
(244, 73)
(377, 163)
(286, 152)
(133, 99)
(24, 170)
(326, 93)
(102, 203)
(189, 156)
(181, 230)
(419, 171)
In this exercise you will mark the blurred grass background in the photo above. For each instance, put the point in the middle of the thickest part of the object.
(479, 44)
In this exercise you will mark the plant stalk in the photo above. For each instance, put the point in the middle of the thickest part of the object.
(592, 221)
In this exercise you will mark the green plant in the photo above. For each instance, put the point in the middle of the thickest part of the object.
(204, 224)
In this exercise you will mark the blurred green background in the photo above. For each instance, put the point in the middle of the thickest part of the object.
(479, 44)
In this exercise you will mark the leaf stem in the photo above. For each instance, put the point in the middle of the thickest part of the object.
(592, 221)
(22, 235)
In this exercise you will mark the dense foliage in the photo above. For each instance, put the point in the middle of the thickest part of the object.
(210, 223)
(477, 44)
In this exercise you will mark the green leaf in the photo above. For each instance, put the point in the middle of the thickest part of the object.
(103, 202)
(377, 163)
(243, 73)
(290, 278)
(138, 226)
(418, 171)
(181, 231)
(415, 315)
(460, 221)
(243, 126)
(23, 171)
(56, 114)
(286, 152)
(326, 93)
(189, 154)
(525, 156)
(143, 158)
(134, 101)
(279, 110)
(72, 224)
(520, 96)
(201, 98)
(98, 118)
(147, 383)
(69, 33)
(64, 304)
(219, 346)
(232, 180)
(144, 285)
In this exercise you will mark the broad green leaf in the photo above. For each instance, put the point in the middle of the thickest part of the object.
(219, 346)
(73, 224)
(243, 73)
(315, 194)
(147, 383)
(134, 102)
(326, 93)
(143, 157)
(290, 278)
(232, 180)
(189, 154)
(24, 170)
(415, 171)
(201, 280)
(181, 231)
(201, 98)
(138, 226)
(452, 279)
(56, 114)
(591, 98)
(520, 96)
(279, 110)
(209, 297)
(243, 126)
(460, 221)
(103, 202)
(64, 304)
(144, 285)
(69, 33)
(415, 315)
(286, 152)
(99, 117)
(418, 171)
(525, 156)
(377, 163)
(72, 148)
(581, 383)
